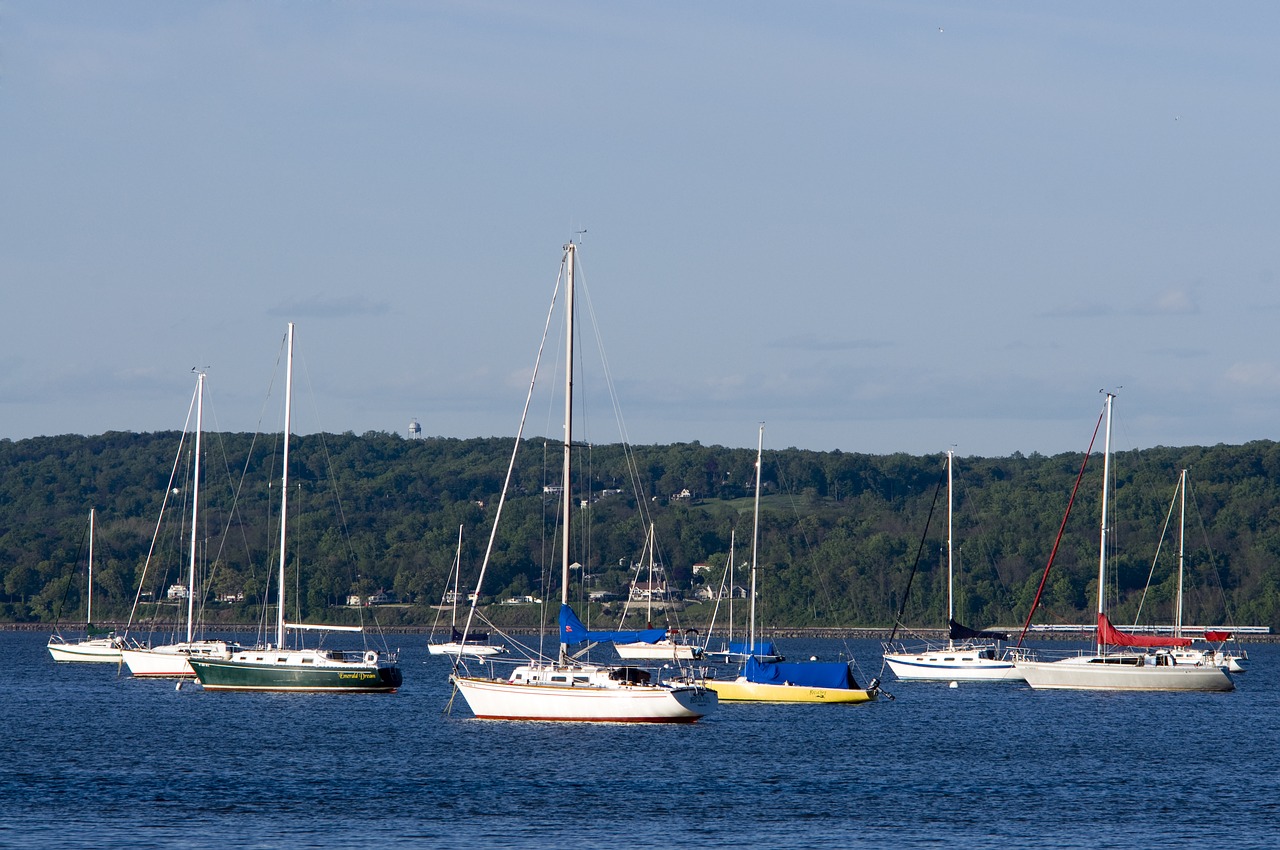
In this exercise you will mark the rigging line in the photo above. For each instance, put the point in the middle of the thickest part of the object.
(173, 475)
(1164, 530)
(502, 499)
(1228, 614)
(906, 594)
(1057, 540)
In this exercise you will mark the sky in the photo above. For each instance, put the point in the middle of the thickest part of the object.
(875, 226)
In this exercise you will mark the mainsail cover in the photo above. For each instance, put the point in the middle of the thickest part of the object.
(762, 649)
(573, 631)
(961, 632)
(810, 674)
(1111, 636)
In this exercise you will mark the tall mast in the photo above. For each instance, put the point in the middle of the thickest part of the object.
(1182, 528)
(88, 614)
(195, 508)
(950, 572)
(1102, 547)
(457, 576)
(284, 483)
(755, 539)
(567, 500)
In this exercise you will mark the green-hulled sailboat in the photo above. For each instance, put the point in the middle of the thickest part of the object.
(275, 667)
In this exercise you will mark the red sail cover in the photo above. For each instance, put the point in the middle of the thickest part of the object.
(1112, 636)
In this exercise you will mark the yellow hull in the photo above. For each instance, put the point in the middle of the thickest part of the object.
(740, 690)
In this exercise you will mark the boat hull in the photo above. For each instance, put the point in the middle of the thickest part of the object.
(662, 650)
(1090, 673)
(171, 660)
(289, 672)
(476, 650)
(498, 699)
(98, 650)
(741, 690)
(952, 665)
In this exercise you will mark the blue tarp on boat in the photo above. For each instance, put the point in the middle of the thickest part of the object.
(573, 631)
(762, 648)
(812, 674)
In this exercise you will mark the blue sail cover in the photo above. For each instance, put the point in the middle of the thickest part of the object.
(762, 648)
(811, 674)
(573, 631)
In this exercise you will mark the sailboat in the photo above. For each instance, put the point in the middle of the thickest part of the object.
(476, 643)
(968, 655)
(787, 681)
(566, 688)
(169, 661)
(671, 646)
(1107, 669)
(1219, 656)
(275, 667)
(731, 651)
(98, 644)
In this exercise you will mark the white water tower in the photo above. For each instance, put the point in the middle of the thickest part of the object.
(415, 429)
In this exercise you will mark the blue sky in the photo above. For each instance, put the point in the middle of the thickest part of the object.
(877, 227)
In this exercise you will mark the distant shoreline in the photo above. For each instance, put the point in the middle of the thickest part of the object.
(800, 633)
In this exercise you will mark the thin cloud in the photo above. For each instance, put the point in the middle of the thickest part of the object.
(322, 307)
(1255, 375)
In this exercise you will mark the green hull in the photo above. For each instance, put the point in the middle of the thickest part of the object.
(237, 675)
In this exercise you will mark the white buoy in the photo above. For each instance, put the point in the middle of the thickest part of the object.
(954, 685)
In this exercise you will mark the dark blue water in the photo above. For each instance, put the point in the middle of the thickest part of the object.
(90, 759)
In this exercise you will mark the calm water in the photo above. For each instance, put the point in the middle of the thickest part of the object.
(89, 759)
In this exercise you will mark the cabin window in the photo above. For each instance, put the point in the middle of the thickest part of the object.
(582, 679)
(559, 679)
(307, 660)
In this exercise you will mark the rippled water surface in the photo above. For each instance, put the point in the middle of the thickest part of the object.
(92, 759)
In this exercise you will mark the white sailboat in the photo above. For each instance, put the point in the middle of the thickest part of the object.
(1107, 669)
(98, 645)
(968, 655)
(1235, 662)
(565, 688)
(674, 646)
(276, 667)
(762, 680)
(169, 661)
(476, 643)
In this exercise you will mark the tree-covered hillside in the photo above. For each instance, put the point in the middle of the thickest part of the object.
(838, 533)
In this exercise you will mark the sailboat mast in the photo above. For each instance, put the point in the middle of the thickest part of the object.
(1182, 528)
(1102, 544)
(755, 538)
(195, 508)
(88, 614)
(950, 572)
(567, 499)
(284, 484)
(457, 574)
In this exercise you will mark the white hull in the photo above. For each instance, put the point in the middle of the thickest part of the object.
(1192, 657)
(952, 665)
(476, 650)
(98, 650)
(662, 650)
(170, 661)
(584, 694)
(1122, 673)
